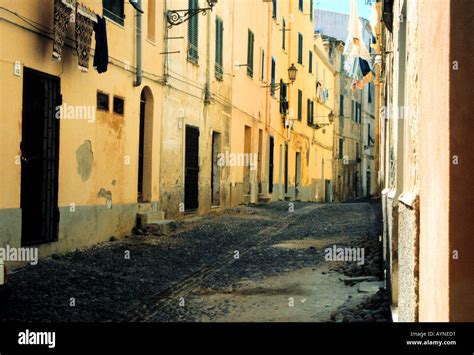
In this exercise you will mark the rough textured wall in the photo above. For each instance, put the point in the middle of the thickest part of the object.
(461, 193)
(434, 159)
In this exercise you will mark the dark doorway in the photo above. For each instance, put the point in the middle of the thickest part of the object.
(259, 163)
(216, 169)
(297, 175)
(327, 192)
(39, 158)
(368, 183)
(141, 148)
(191, 183)
(145, 147)
(271, 164)
(286, 168)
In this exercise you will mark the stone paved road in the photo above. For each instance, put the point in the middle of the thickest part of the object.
(257, 263)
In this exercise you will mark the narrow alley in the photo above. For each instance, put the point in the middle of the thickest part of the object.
(268, 265)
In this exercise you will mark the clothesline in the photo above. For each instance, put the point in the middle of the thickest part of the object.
(86, 21)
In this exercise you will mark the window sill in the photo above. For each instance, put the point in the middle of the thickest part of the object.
(108, 19)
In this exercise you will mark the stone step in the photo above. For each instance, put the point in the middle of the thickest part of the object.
(161, 227)
(148, 217)
(262, 198)
(370, 287)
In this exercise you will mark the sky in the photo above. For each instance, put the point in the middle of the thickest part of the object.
(342, 6)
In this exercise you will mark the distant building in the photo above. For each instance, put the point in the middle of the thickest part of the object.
(354, 166)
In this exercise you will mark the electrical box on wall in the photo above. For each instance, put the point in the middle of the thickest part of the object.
(17, 68)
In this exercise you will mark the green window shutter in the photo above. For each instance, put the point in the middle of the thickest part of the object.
(219, 48)
(283, 45)
(310, 62)
(311, 10)
(308, 111)
(250, 46)
(300, 105)
(300, 48)
(193, 24)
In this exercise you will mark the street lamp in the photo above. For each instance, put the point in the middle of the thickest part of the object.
(177, 17)
(330, 118)
(292, 71)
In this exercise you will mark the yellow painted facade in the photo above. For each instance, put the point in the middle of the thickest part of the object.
(232, 111)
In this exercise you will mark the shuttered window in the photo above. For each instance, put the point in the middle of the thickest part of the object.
(114, 10)
(300, 105)
(283, 41)
(310, 65)
(274, 15)
(250, 45)
(300, 5)
(272, 87)
(308, 111)
(311, 10)
(300, 48)
(193, 24)
(219, 48)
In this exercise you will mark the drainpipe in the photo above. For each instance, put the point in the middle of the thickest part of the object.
(137, 4)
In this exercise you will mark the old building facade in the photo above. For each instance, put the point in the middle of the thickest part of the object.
(185, 119)
(354, 163)
(75, 177)
(426, 157)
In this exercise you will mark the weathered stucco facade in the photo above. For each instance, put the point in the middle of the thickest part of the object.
(99, 156)
(427, 199)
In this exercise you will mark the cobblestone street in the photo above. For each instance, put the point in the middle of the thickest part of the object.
(257, 263)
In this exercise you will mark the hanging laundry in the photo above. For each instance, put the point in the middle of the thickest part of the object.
(373, 18)
(364, 66)
(358, 59)
(84, 27)
(62, 16)
(319, 94)
(101, 54)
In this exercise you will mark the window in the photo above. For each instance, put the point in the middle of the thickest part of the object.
(119, 105)
(193, 24)
(102, 101)
(300, 48)
(357, 151)
(262, 76)
(300, 105)
(219, 47)
(283, 42)
(310, 65)
(274, 9)
(250, 45)
(341, 105)
(369, 93)
(114, 10)
(272, 89)
(310, 113)
(300, 5)
(341, 148)
(151, 20)
(311, 10)
(368, 135)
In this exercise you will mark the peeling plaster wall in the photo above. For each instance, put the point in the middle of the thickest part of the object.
(96, 155)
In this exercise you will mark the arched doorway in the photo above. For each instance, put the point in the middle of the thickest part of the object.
(145, 149)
